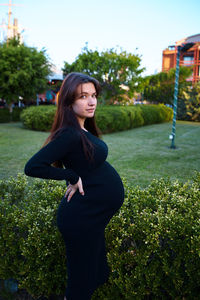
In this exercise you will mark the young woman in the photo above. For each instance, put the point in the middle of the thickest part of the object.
(94, 189)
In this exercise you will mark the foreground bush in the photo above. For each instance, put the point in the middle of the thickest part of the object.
(152, 242)
(110, 118)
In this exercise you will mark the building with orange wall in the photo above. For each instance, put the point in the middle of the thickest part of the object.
(189, 58)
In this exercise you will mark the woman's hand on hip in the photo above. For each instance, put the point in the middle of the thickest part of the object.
(71, 189)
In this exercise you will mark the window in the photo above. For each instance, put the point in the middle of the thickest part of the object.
(166, 63)
(188, 60)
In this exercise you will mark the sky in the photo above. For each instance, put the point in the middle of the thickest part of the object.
(141, 27)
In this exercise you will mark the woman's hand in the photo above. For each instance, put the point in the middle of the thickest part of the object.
(71, 189)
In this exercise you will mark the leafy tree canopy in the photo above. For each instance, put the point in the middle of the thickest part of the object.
(159, 88)
(191, 98)
(118, 73)
(23, 71)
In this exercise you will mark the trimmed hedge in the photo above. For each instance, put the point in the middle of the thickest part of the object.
(6, 117)
(152, 242)
(110, 118)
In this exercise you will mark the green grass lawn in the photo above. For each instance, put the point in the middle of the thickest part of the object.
(139, 154)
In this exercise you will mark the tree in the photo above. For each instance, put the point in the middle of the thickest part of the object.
(191, 100)
(23, 71)
(118, 73)
(159, 88)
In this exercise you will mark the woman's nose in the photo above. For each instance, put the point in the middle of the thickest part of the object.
(92, 100)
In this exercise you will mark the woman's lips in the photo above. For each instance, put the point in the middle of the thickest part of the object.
(90, 110)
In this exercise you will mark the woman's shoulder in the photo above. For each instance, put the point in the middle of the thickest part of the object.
(69, 132)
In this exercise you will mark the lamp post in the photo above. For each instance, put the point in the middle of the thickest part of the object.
(181, 48)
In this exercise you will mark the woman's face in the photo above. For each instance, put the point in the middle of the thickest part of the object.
(85, 103)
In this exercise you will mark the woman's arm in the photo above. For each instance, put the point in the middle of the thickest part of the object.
(39, 165)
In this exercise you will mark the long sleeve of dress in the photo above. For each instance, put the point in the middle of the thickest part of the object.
(39, 165)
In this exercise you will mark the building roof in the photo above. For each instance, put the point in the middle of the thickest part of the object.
(55, 76)
(190, 39)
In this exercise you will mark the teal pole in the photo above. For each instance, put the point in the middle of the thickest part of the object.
(172, 136)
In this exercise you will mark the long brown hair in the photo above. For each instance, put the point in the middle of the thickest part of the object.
(66, 117)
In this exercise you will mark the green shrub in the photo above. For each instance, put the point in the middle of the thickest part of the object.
(153, 114)
(189, 104)
(152, 242)
(188, 110)
(110, 118)
(38, 117)
(6, 117)
(31, 248)
(113, 118)
(182, 111)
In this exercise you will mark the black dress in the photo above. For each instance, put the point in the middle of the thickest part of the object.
(83, 219)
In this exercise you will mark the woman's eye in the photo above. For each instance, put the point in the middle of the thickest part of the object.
(85, 96)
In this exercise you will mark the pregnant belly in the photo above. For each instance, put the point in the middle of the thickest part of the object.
(104, 185)
(103, 196)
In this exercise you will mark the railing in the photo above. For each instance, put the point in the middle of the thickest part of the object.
(186, 63)
(189, 63)
(196, 78)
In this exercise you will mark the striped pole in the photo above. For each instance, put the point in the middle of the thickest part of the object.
(172, 136)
